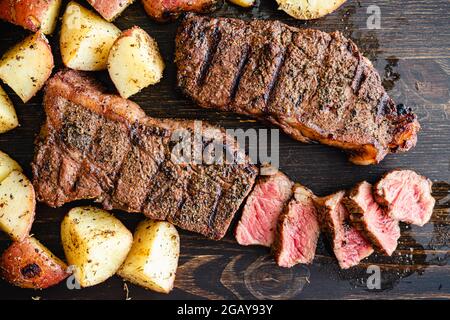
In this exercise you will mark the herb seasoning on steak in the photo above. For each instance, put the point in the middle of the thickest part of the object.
(316, 86)
(368, 216)
(406, 196)
(298, 230)
(99, 146)
(349, 245)
(262, 209)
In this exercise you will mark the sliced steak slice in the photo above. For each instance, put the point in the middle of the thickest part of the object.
(297, 230)
(348, 243)
(99, 146)
(262, 209)
(368, 216)
(406, 196)
(314, 85)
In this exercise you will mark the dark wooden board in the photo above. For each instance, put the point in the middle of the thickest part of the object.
(411, 52)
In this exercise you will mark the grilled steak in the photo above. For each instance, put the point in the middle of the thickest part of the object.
(369, 217)
(349, 245)
(164, 10)
(406, 196)
(99, 146)
(298, 230)
(262, 209)
(314, 85)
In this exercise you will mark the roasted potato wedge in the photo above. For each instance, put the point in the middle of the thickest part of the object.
(33, 15)
(26, 66)
(110, 9)
(8, 117)
(86, 39)
(95, 243)
(309, 9)
(7, 165)
(134, 62)
(153, 258)
(17, 205)
(28, 264)
(243, 3)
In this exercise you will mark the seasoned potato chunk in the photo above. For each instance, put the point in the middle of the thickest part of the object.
(95, 243)
(28, 264)
(86, 39)
(17, 205)
(134, 62)
(309, 9)
(153, 258)
(26, 66)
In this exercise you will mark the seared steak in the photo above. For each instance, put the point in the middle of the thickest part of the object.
(406, 196)
(349, 245)
(369, 217)
(262, 209)
(298, 230)
(314, 85)
(99, 146)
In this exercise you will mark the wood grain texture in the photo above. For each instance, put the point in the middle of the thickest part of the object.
(411, 52)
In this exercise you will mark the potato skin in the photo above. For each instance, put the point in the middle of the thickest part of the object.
(165, 10)
(29, 14)
(28, 264)
(110, 9)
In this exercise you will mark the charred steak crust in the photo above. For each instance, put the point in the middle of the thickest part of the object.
(99, 146)
(316, 86)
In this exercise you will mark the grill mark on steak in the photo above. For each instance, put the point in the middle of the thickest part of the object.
(49, 175)
(225, 63)
(212, 215)
(140, 176)
(237, 80)
(110, 147)
(267, 48)
(267, 95)
(137, 171)
(359, 77)
(325, 90)
(382, 105)
(79, 128)
(298, 102)
(210, 53)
